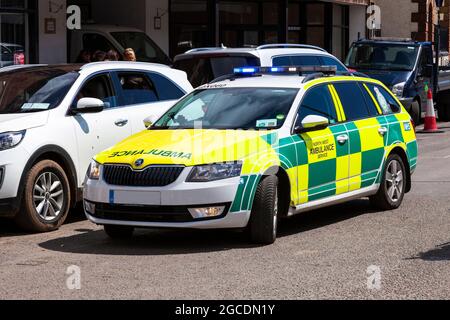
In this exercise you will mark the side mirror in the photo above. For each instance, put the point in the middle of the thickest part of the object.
(89, 105)
(150, 121)
(312, 123)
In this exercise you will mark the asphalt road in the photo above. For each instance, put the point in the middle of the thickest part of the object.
(320, 255)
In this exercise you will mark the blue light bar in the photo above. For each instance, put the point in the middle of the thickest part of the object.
(285, 70)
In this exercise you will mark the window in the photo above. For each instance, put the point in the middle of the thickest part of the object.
(385, 100)
(296, 61)
(94, 41)
(166, 89)
(328, 61)
(369, 102)
(318, 102)
(99, 87)
(352, 100)
(137, 89)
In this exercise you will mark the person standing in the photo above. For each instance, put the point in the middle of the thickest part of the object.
(129, 55)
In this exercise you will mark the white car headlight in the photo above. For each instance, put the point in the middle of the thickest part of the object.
(214, 172)
(399, 89)
(9, 140)
(94, 170)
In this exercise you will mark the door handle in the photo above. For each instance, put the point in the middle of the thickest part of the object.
(342, 139)
(383, 131)
(121, 122)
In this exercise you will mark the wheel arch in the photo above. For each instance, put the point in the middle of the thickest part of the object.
(60, 156)
(284, 183)
(402, 154)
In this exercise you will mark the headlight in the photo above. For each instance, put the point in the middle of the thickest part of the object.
(10, 140)
(94, 170)
(214, 172)
(398, 89)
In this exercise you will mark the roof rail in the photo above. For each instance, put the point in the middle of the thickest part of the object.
(289, 45)
(205, 49)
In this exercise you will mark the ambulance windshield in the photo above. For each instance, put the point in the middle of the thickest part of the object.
(230, 108)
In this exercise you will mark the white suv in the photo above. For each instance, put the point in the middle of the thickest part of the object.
(54, 119)
(203, 65)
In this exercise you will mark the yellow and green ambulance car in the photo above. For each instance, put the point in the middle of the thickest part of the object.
(263, 144)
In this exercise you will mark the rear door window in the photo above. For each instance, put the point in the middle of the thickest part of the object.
(202, 70)
(136, 88)
(352, 100)
(166, 89)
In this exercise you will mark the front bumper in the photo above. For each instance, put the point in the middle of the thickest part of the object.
(12, 164)
(164, 207)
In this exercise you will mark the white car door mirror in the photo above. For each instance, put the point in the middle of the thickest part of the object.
(312, 123)
(89, 105)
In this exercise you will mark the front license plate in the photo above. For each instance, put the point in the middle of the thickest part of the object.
(135, 197)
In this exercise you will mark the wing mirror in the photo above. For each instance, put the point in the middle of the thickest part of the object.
(89, 105)
(312, 123)
(150, 121)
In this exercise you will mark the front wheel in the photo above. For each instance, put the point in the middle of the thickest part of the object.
(264, 217)
(46, 198)
(393, 185)
(416, 113)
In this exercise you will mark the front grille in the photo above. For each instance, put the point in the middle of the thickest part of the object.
(149, 177)
(142, 213)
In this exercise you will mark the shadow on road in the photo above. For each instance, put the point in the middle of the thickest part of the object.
(440, 253)
(173, 242)
(9, 229)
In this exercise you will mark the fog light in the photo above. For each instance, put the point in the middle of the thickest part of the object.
(211, 212)
(89, 207)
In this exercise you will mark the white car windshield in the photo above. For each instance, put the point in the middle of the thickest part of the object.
(231, 108)
(35, 89)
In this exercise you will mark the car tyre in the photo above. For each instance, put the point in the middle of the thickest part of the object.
(118, 232)
(393, 185)
(416, 112)
(46, 198)
(263, 223)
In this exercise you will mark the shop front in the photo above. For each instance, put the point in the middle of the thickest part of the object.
(18, 37)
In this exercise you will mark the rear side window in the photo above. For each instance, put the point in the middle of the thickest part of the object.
(296, 61)
(136, 88)
(352, 100)
(202, 70)
(328, 61)
(373, 110)
(318, 102)
(166, 89)
(385, 100)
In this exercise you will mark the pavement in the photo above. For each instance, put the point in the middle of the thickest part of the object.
(349, 251)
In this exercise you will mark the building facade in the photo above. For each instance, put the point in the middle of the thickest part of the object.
(39, 27)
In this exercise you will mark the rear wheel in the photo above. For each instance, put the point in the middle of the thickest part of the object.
(46, 198)
(119, 232)
(264, 217)
(416, 112)
(393, 185)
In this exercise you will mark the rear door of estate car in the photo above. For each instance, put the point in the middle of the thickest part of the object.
(144, 94)
(366, 132)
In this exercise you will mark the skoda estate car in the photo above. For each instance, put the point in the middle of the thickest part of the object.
(259, 146)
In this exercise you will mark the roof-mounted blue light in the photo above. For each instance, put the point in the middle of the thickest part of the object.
(285, 70)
